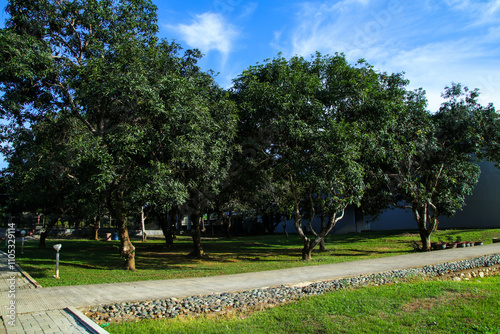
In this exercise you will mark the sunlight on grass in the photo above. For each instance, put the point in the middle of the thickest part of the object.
(91, 262)
(418, 307)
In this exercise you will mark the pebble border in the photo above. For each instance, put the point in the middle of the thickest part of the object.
(267, 297)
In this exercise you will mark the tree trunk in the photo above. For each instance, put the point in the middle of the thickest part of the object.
(127, 249)
(211, 225)
(94, 228)
(421, 214)
(297, 222)
(308, 246)
(196, 234)
(196, 217)
(311, 219)
(143, 225)
(267, 221)
(322, 247)
(426, 241)
(117, 209)
(202, 223)
(45, 233)
(224, 220)
(307, 250)
(308, 243)
(271, 220)
(172, 223)
(163, 221)
(283, 225)
(226, 223)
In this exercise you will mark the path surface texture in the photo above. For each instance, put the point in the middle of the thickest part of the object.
(54, 309)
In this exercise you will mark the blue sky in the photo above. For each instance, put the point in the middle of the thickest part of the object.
(433, 42)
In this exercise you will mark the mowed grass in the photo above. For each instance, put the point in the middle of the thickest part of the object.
(417, 307)
(92, 262)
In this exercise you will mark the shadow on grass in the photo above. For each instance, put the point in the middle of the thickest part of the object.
(361, 252)
(155, 255)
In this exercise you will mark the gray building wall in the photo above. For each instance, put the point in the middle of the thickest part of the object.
(482, 209)
(349, 223)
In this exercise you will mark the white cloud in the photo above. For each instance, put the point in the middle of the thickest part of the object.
(472, 61)
(481, 12)
(248, 10)
(355, 27)
(276, 43)
(493, 7)
(433, 51)
(458, 4)
(434, 66)
(209, 32)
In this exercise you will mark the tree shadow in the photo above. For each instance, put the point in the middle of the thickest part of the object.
(155, 255)
(363, 252)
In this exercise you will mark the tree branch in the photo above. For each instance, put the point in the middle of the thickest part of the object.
(74, 108)
(311, 218)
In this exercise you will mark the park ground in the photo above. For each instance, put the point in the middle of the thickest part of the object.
(93, 262)
(413, 307)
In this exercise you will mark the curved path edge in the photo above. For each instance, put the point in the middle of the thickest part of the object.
(80, 296)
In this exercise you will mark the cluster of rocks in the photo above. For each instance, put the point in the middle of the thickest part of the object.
(267, 297)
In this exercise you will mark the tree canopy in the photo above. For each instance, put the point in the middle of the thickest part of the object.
(148, 118)
(100, 113)
(310, 121)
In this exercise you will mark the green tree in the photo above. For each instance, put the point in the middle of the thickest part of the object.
(320, 126)
(432, 163)
(207, 160)
(306, 144)
(84, 60)
(155, 127)
(191, 143)
(39, 178)
(370, 101)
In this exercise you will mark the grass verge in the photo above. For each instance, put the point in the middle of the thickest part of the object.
(417, 307)
(92, 262)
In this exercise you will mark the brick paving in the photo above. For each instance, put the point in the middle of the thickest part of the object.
(15, 282)
(52, 321)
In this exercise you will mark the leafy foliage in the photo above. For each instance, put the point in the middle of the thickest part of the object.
(99, 112)
(145, 124)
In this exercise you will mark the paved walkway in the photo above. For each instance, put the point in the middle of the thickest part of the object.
(14, 281)
(52, 321)
(34, 301)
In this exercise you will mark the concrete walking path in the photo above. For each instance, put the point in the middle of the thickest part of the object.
(80, 296)
(14, 280)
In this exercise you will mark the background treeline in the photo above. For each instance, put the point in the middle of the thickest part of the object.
(100, 117)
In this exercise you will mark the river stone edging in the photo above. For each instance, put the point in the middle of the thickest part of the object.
(267, 297)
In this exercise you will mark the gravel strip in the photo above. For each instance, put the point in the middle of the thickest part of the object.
(267, 297)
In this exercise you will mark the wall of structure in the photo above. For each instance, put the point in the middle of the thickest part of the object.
(482, 209)
(350, 223)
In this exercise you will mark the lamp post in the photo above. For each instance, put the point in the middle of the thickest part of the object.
(23, 233)
(57, 247)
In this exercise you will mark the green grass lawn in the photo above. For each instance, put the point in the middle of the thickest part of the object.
(417, 307)
(92, 262)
